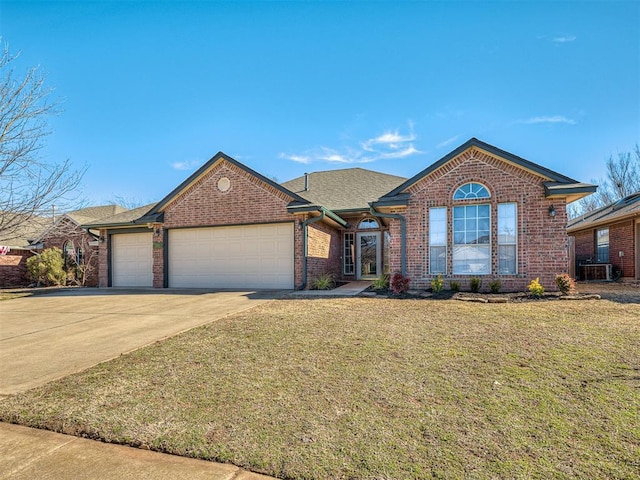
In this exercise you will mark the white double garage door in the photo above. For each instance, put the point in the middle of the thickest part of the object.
(247, 256)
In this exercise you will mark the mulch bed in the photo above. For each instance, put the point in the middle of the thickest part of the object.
(508, 297)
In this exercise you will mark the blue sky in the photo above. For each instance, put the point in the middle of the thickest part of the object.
(152, 90)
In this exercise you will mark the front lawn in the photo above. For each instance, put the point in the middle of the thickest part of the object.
(375, 388)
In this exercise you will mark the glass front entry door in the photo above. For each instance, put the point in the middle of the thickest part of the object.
(368, 255)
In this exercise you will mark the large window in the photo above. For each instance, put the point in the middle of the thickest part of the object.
(349, 267)
(602, 245)
(472, 240)
(437, 240)
(507, 239)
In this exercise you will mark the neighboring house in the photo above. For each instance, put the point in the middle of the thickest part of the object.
(477, 212)
(607, 241)
(15, 248)
(79, 246)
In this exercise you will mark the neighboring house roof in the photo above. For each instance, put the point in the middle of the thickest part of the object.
(555, 183)
(124, 219)
(78, 217)
(628, 207)
(343, 190)
(21, 237)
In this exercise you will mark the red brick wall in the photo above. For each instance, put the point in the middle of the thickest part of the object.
(13, 269)
(621, 239)
(542, 240)
(247, 201)
(323, 251)
(103, 261)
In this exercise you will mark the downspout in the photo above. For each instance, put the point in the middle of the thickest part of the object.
(305, 246)
(403, 235)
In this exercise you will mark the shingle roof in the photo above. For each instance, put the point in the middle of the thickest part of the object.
(557, 184)
(26, 233)
(88, 214)
(628, 207)
(123, 218)
(346, 189)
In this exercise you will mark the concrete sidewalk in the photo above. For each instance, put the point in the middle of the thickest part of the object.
(350, 289)
(33, 454)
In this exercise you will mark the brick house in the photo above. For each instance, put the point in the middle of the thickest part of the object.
(79, 246)
(607, 241)
(477, 212)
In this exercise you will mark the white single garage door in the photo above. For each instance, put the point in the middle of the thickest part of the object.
(250, 256)
(132, 260)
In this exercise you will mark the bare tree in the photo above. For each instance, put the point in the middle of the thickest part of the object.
(28, 185)
(623, 179)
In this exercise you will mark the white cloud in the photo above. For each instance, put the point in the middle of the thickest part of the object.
(387, 145)
(564, 39)
(186, 165)
(296, 158)
(448, 141)
(549, 119)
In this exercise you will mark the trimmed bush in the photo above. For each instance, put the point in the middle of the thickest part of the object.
(400, 284)
(437, 284)
(475, 283)
(495, 286)
(565, 284)
(323, 282)
(381, 283)
(454, 286)
(536, 288)
(47, 268)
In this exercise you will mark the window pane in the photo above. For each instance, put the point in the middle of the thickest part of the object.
(437, 240)
(437, 260)
(368, 223)
(349, 267)
(507, 259)
(471, 190)
(471, 259)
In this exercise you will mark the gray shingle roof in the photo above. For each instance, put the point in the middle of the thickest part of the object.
(628, 207)
(123, 218)
(346, 189)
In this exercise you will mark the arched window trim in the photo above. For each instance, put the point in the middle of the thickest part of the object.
(474, 192)
(368, 224)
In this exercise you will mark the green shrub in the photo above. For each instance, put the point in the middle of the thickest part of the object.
(381, 283)
(536, 288)
(47, 268)
(475, 283)
(323, 282)
(437, 284)
(495, 286)
(565, 284)
(400, 283)
(455, 286)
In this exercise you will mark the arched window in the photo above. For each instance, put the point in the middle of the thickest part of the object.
(69, 252)
(471, 191)
(368, 223)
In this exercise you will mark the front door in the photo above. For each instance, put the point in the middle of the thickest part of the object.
(368, 255)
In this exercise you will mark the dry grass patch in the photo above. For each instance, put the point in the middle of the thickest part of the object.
(375, 388)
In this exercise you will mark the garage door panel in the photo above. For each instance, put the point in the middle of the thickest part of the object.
(132, 260)
(253, 256)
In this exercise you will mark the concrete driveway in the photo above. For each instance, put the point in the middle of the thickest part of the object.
(46, 337)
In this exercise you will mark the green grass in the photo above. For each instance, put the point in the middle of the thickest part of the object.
(375, 388)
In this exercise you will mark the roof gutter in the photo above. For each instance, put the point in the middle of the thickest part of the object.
(305, 245)
(403, 235)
